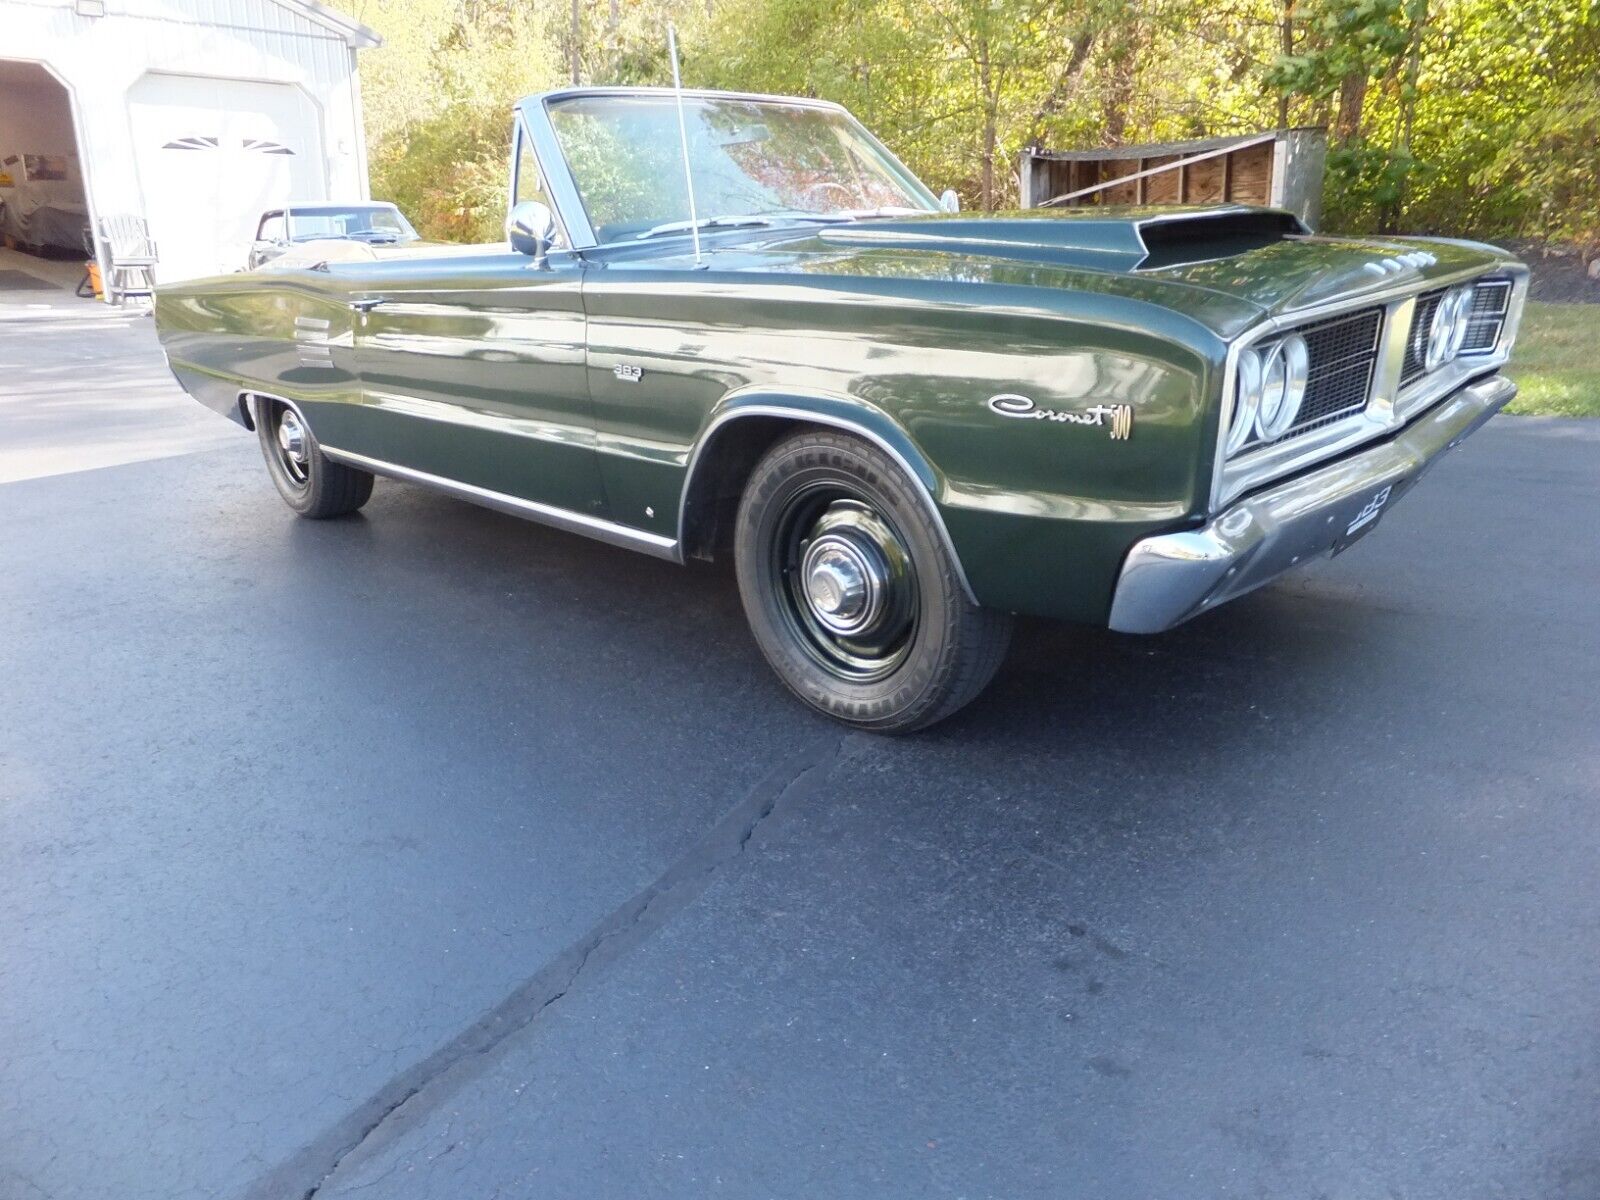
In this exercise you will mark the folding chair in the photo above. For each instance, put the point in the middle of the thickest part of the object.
(131, 256)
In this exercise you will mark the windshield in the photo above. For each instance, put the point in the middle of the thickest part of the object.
(380, 224)
(750, 158)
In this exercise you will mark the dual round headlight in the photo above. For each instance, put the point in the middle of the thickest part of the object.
(1271, 383)
(1448, 329)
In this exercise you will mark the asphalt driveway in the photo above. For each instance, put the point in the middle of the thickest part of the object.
(428, 853)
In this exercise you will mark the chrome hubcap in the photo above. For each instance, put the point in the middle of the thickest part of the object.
(844, 582)
(292, 445)
(292, 438)
(850, 592)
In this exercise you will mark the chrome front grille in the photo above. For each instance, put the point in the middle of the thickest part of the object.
(1343, 353)
(1355, 359)
(1491, 300)
(1421, 336)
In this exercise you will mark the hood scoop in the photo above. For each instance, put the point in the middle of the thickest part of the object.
(1180, 240)
(1127, 239)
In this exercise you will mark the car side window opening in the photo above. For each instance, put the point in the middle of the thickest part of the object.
(529, 185)
(271, 228)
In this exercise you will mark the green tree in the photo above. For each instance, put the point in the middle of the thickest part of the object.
(438, 99)
(1450, 116)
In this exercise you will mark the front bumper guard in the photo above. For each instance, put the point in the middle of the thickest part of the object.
(1169, 578)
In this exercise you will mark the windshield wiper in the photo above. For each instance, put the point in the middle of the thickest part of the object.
(705, 223)
(761, 218)
(886, 210)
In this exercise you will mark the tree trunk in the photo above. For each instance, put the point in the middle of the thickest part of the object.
(1390, 215)
(990, 113)
(574, 40)
(1066, 84)
(1286, 45)
(989, 139)
(1117, 111)
(1352, 100)
(1124, 63)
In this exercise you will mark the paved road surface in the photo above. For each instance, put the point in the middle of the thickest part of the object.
(432, 854)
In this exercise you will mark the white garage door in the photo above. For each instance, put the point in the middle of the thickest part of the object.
(212, 153)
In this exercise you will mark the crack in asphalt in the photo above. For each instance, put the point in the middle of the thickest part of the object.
(408, 1097)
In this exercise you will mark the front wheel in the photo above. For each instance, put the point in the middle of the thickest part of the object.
(309, 481)
(850, 590)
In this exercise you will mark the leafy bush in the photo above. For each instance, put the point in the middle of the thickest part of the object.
(438, 99)
(448, 172)
(1467, 117)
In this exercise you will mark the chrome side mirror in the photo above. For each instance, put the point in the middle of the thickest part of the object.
(950, 202)
(531, 228)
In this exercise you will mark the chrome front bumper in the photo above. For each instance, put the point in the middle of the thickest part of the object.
(1167, 579)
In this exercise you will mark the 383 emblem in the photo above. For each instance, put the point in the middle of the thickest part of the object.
(1370, 513)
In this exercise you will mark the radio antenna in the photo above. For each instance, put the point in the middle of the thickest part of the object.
(683, 141)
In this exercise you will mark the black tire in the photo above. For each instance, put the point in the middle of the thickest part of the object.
(822, 513)
(309, 481)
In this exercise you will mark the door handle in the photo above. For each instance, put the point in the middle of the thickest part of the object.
(367, 303)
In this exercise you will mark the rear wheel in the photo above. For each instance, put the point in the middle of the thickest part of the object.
(308, 480)
(851, 593)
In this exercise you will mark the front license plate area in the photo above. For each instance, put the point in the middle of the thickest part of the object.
(1366, 519)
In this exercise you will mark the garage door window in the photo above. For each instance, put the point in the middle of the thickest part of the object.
(213, 155)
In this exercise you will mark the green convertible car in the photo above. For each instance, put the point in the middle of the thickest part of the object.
(738, 324)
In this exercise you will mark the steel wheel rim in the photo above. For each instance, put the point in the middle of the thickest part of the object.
(844, 583)
(292, 441)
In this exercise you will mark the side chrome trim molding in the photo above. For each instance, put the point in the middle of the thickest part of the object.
(812, 418)
(546, 514)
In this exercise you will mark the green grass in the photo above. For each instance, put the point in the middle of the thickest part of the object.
(1556, 361)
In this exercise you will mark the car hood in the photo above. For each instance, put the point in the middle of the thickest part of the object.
(1227, 266)
(1305, 271)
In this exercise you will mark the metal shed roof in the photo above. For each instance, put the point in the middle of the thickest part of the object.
(1157, 149)
(357, 35)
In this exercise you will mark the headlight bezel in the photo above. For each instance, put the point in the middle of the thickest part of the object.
(1269, 388)
(1248, 379)
(1279, 409)
(1447, 331)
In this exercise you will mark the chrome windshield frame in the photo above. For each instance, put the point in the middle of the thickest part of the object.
(533, 115)
(1389, 407)
(533, 123)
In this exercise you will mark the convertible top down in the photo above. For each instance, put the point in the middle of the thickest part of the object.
(768, 338)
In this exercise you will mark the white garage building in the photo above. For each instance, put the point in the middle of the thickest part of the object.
(193, 114)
